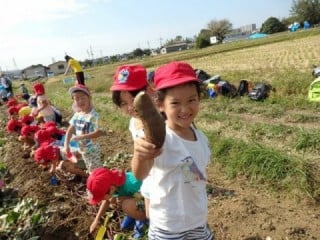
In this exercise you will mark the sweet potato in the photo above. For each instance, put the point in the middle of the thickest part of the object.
(153, 123)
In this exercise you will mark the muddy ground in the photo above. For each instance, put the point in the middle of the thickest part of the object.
(237, 209)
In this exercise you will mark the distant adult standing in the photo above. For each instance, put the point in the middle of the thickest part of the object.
(6, 83)
(77, 69)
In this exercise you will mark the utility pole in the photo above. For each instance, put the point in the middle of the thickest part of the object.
(160, 42)
(88, 54)
(91, 52)
(14, 64)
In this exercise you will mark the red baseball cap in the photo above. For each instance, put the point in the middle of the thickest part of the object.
(129, 78)
(27, 119)
(81, 88)
(13, 110)
(46, 153)
(100, 181)
(11, 102)
(43, 137)
(173, 74)
(13, 125)
(38, 89)
(49, 124)
(27, 129)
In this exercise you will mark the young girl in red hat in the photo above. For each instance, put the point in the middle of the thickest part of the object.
(129, 80)
(177, 172)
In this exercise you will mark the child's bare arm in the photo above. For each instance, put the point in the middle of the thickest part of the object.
(102, 209)
(92, 135)
(69, 133)
(143, 157)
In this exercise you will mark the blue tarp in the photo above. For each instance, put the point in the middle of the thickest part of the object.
(257, 35)
(294, 27)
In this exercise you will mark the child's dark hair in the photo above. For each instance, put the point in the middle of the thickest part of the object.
(116, 99)
(67, 58)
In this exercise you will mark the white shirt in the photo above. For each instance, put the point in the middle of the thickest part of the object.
(178, 197)
(135, 132)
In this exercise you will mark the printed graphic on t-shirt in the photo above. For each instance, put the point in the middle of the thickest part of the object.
(83, 127)
(191, 171)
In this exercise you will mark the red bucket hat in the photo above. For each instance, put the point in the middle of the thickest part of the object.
(173, 74)
(81, 88)
(129, 78)
(100, 181)
(47, 153)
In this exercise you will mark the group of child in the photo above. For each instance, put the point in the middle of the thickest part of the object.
(166, 189)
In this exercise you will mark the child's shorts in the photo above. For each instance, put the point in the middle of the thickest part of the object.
(202, 232)
(140, 205)
(92, 157)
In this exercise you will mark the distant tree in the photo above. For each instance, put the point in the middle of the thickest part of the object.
(220, 28)
(202, 42)
(114, 59)
(146, 52)
(138, 52)
(189, 40)
(177, 39)
(289, 20)
(272, 25)
(203, 38)
(306, 10)
(87, 63)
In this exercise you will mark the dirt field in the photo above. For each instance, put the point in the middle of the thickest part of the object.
(237, 209)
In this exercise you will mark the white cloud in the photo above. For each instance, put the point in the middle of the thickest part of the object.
(15, 12)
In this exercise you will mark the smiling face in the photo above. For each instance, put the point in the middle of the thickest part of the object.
(126, 103)
(82, 101)
(181, 106)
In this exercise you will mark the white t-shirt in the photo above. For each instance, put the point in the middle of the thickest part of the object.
(178, 197)
(47, 113)
(138, 132)
(135, 132)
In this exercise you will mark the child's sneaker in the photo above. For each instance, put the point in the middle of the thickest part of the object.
(139, 229)
(127, 223)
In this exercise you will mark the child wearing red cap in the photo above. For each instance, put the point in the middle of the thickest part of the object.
(27, 134)
(114, 187)
(14, 126)
(44, 109)
(84, 128)
(178, 170)
(47, 154)
(13, 112)
(129, 80)
(53, 155)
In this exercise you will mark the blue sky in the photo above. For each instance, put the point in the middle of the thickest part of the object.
(42, 31)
